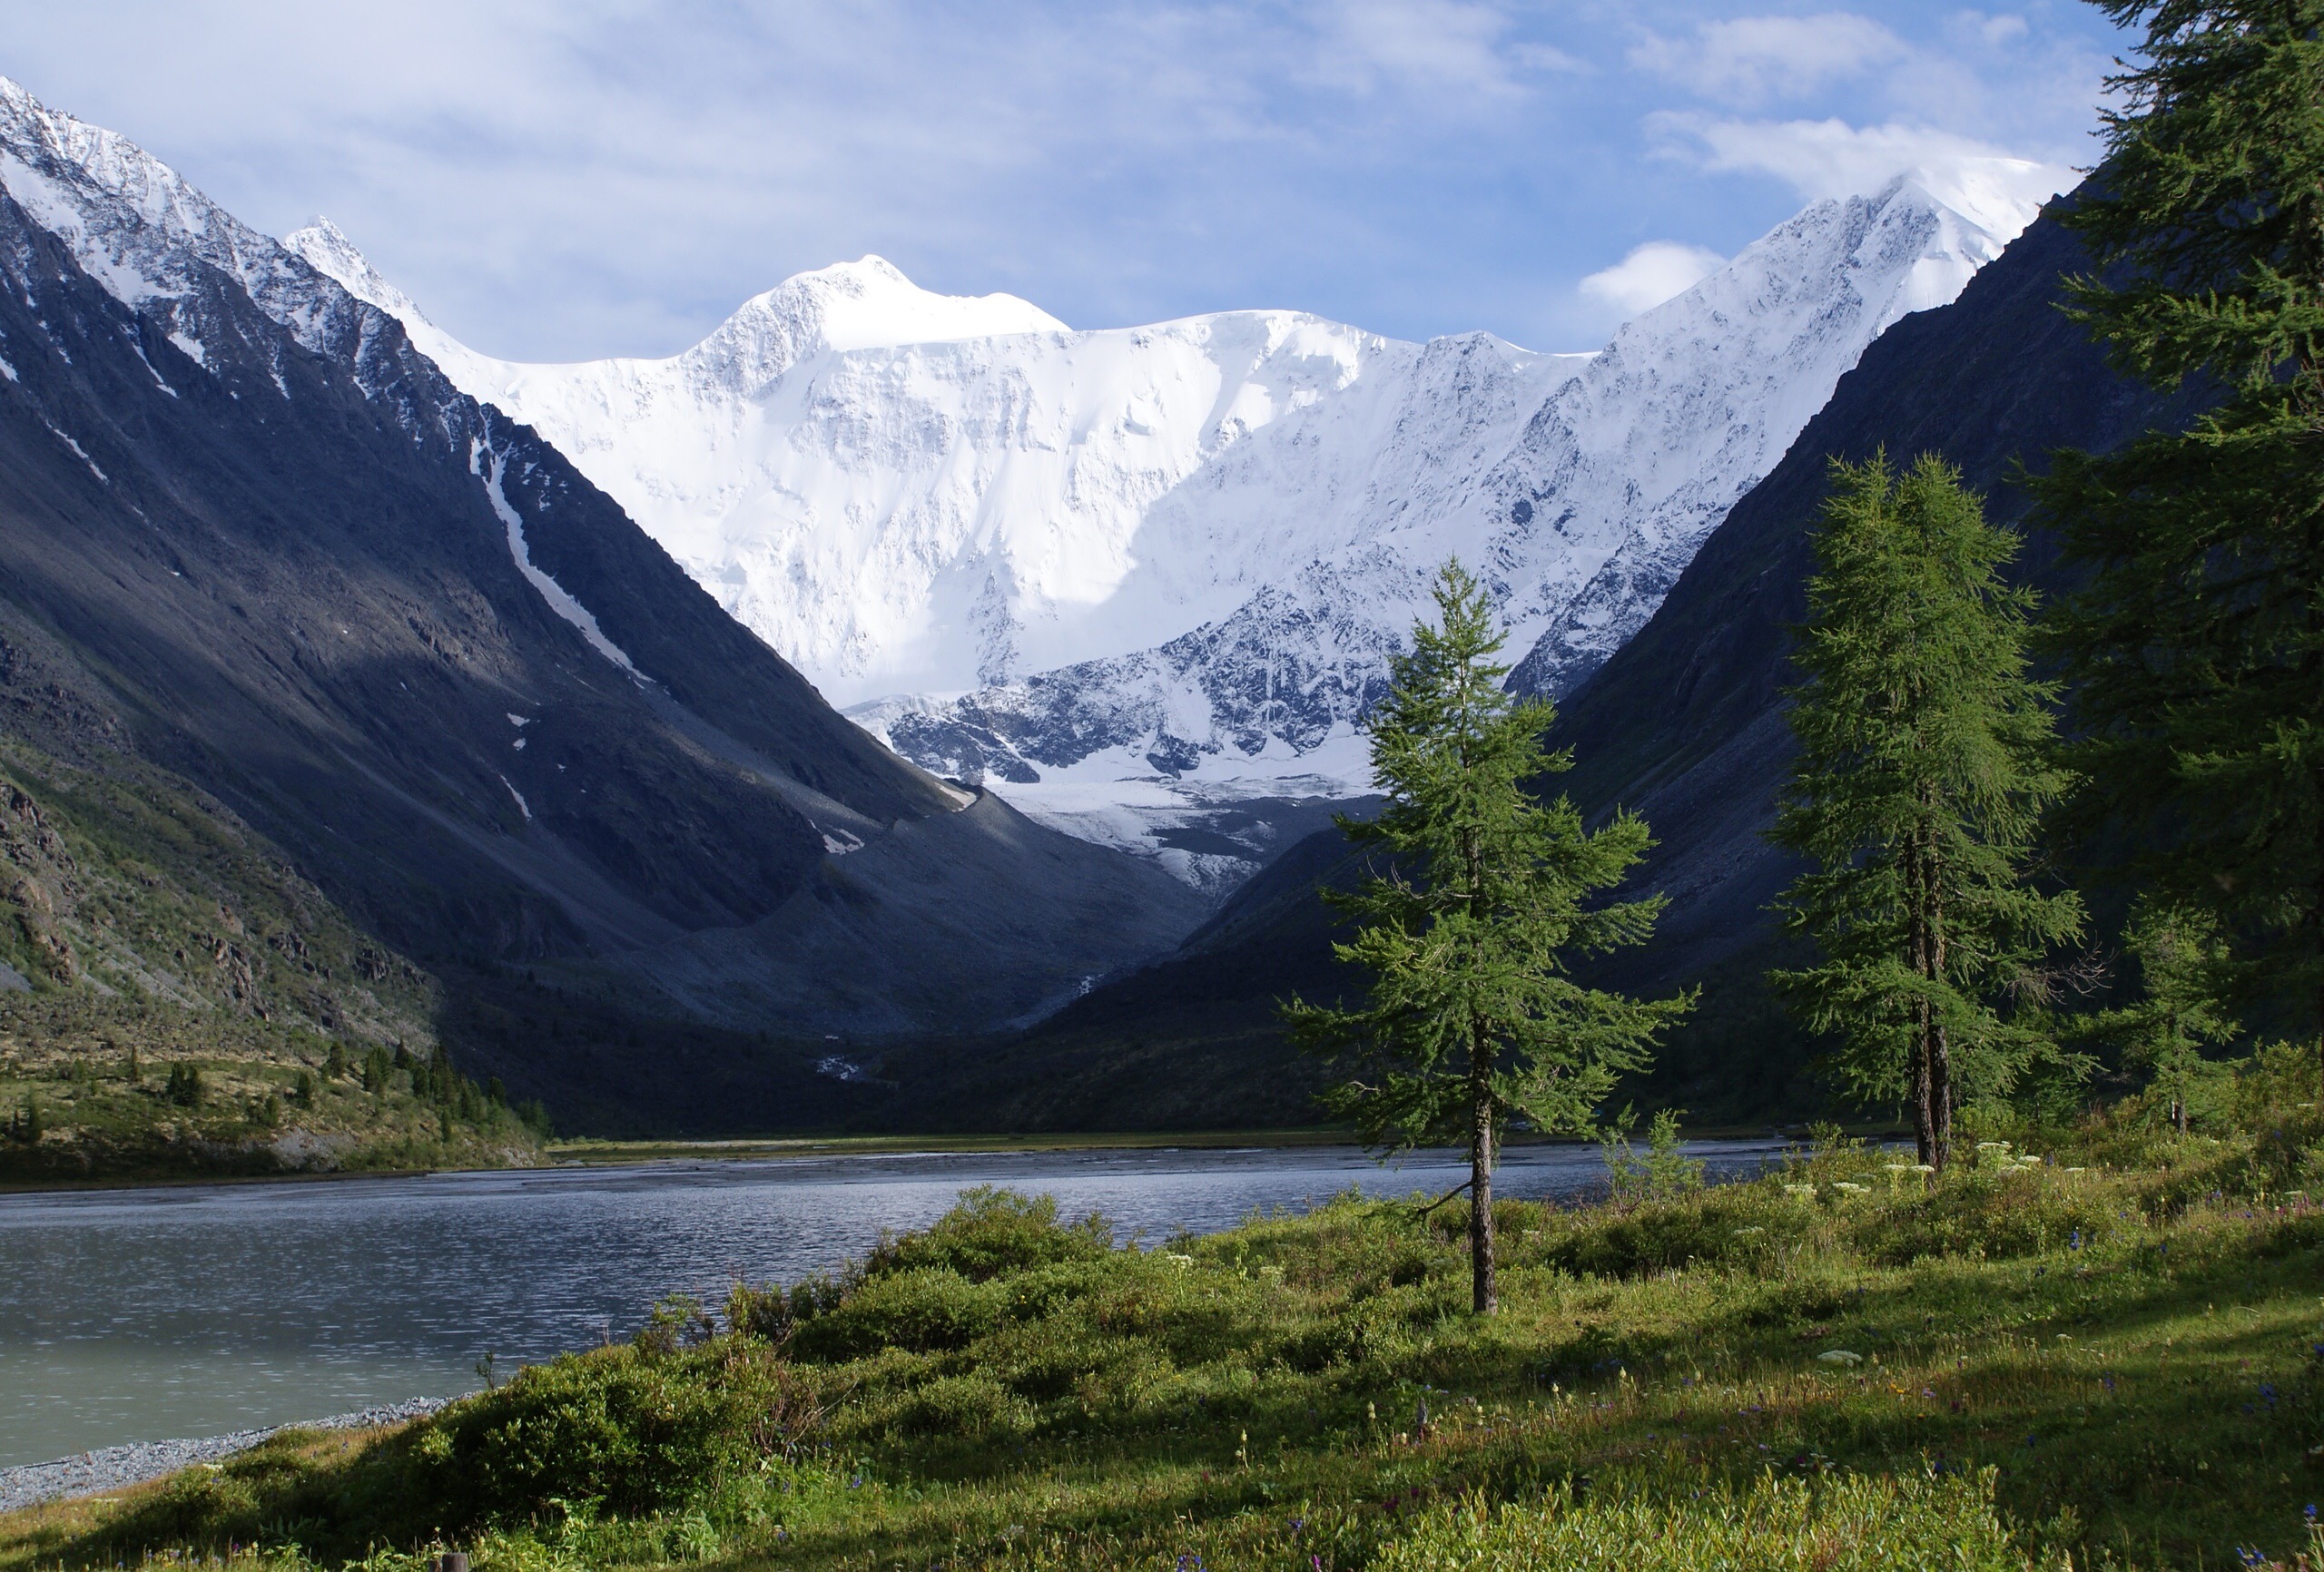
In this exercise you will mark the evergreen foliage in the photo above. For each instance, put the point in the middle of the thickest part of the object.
(2180, 957)
(1469, 925)
(2197, 646)
(1920, 781)
(185, 1087)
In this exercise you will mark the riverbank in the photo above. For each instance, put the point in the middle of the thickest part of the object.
(119, 1468)
(2106, 1347)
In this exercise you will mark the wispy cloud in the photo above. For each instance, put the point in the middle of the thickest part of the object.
(1650, 274)
(1820, 158)
(1751, 59)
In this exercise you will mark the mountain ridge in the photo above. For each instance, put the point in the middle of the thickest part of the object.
(1098, 569)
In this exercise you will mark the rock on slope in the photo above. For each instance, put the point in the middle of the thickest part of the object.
(414, 649)
(1085, 564)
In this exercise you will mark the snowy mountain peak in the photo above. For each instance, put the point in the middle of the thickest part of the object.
(1996, 196)
(870, 304)
(1079, 564)
(120, 209)
(329, 252)
(1114, 569)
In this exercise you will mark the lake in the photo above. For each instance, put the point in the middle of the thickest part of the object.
(130, 1315)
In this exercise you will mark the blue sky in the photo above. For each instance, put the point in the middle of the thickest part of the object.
(560, 179)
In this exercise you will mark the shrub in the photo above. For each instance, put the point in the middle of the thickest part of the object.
(924, 1309)
(185, 1086)
(991, 1232)
(964, 1405)
(1726, 1226)
(638, 1431)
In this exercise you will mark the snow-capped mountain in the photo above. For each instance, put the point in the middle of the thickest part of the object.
(1096, 566)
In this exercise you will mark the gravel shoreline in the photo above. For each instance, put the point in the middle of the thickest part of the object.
(114, 1467)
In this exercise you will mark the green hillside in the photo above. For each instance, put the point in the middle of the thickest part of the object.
(176, 999)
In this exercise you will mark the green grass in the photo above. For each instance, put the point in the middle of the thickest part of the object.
(2114, 1356)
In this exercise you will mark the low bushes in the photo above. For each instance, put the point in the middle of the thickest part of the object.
(992, 1233)
(636, 1431)
(924, 1309)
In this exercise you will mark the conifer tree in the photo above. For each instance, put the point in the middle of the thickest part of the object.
(1920, 784)
(2180, 955)
(1470, 923)
(2197, 646)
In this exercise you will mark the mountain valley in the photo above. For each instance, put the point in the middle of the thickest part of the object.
(1143, 581)
(524, 667)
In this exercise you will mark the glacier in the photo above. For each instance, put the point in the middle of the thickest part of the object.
(1141, 579)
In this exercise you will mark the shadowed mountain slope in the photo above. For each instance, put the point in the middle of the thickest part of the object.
(250, 535)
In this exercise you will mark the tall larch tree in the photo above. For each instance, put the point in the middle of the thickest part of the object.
(1469, 923)
(1918, 793)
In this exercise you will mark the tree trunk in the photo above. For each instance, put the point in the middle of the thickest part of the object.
(1485, 1288)
(1924, 1083)
(1924, 1125)
(1940, 1056)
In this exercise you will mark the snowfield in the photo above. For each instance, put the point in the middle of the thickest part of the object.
(1122, 574)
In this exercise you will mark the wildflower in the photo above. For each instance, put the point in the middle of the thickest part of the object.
(1848, 1189)
(2074, 1242)
(1838, 1356)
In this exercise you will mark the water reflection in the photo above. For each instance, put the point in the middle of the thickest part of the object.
(127, 1315)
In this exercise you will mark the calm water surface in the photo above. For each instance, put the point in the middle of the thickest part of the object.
(131, 1315)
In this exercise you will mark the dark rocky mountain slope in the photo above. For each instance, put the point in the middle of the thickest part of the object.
(1684, 724)
(250, 536)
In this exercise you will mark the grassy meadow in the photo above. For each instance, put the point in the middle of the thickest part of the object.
(2096, 1347)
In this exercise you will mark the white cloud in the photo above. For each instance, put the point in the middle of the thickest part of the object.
(1451, 43)
(1751, 59)
(1991, 31)
(1822, 158)
(1652, 273)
